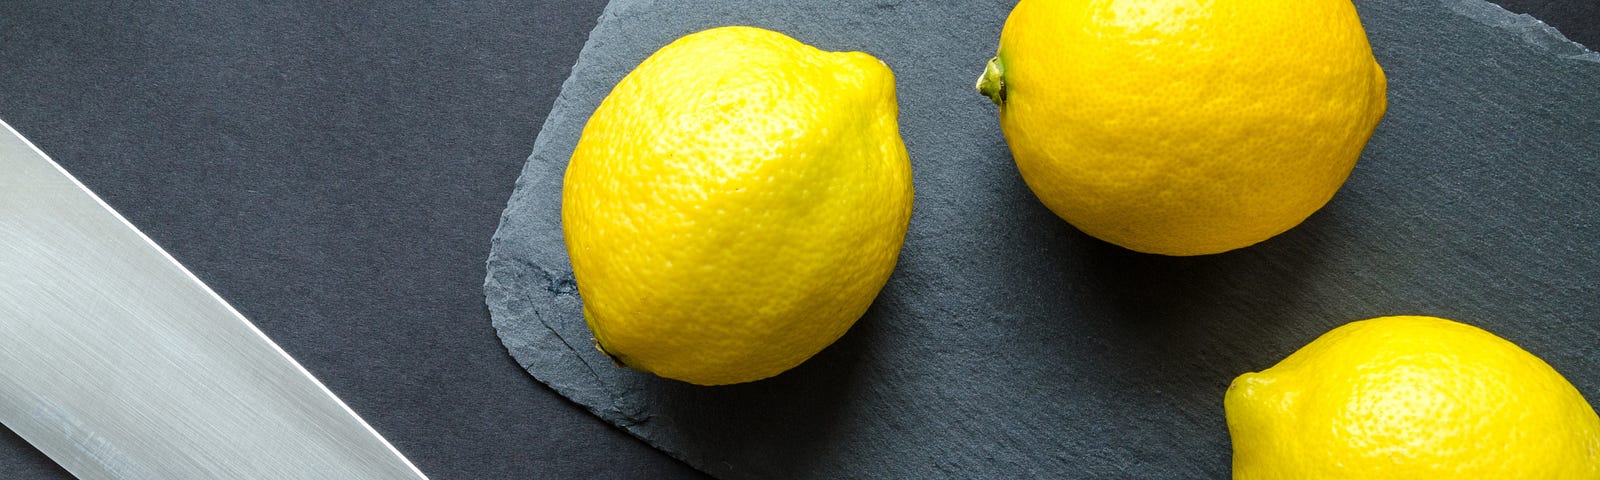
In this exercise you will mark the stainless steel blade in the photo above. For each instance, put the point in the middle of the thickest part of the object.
(119, 363)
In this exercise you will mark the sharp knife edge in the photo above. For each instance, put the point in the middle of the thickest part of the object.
(136, 369)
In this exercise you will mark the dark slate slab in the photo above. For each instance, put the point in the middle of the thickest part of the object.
(334, 170)
(1009, 344)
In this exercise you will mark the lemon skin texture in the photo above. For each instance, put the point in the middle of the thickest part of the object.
(1185, 127)
(735, 204)
(1411, 398)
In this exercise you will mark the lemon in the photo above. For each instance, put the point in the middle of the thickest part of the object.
(1411, 398)
(735, 204)
(1185, 127)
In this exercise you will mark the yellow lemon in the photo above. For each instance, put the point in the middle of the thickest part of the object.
(1411, 398)
(1185, 127)
(735, 204)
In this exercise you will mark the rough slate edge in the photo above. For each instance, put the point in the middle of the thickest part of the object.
(510, 271)
(539, 347)
(1524, 26)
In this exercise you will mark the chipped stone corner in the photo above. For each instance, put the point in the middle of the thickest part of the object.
(1530, 30)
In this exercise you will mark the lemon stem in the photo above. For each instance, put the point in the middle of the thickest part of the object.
(615, 360)
(600, 345)
(992, 83)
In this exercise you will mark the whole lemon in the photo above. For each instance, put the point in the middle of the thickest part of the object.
(735, 204)
(1185, 127)
(1411, 398)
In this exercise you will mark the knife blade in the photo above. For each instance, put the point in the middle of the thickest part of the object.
(119, 363)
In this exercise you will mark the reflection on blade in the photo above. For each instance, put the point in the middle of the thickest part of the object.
(118, 363)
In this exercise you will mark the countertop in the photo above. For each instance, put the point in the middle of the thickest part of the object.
(335, 172)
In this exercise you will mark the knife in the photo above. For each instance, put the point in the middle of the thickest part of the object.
(119, 363)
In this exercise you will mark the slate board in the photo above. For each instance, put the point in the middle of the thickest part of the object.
(1009, 344)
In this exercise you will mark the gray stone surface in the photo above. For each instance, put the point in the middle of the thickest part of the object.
(334, 170)
(1009, 344)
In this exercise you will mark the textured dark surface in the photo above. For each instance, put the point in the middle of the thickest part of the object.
(1578, 20)
(1010, 345)
(335, 170)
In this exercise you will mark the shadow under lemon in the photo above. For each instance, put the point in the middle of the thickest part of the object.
(1136, 350)
(784, 424)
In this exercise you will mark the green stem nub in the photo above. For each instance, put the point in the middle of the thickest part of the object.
(992, 83)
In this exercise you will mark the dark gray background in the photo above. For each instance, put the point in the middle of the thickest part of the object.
(1009, 345)
(336, 171)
